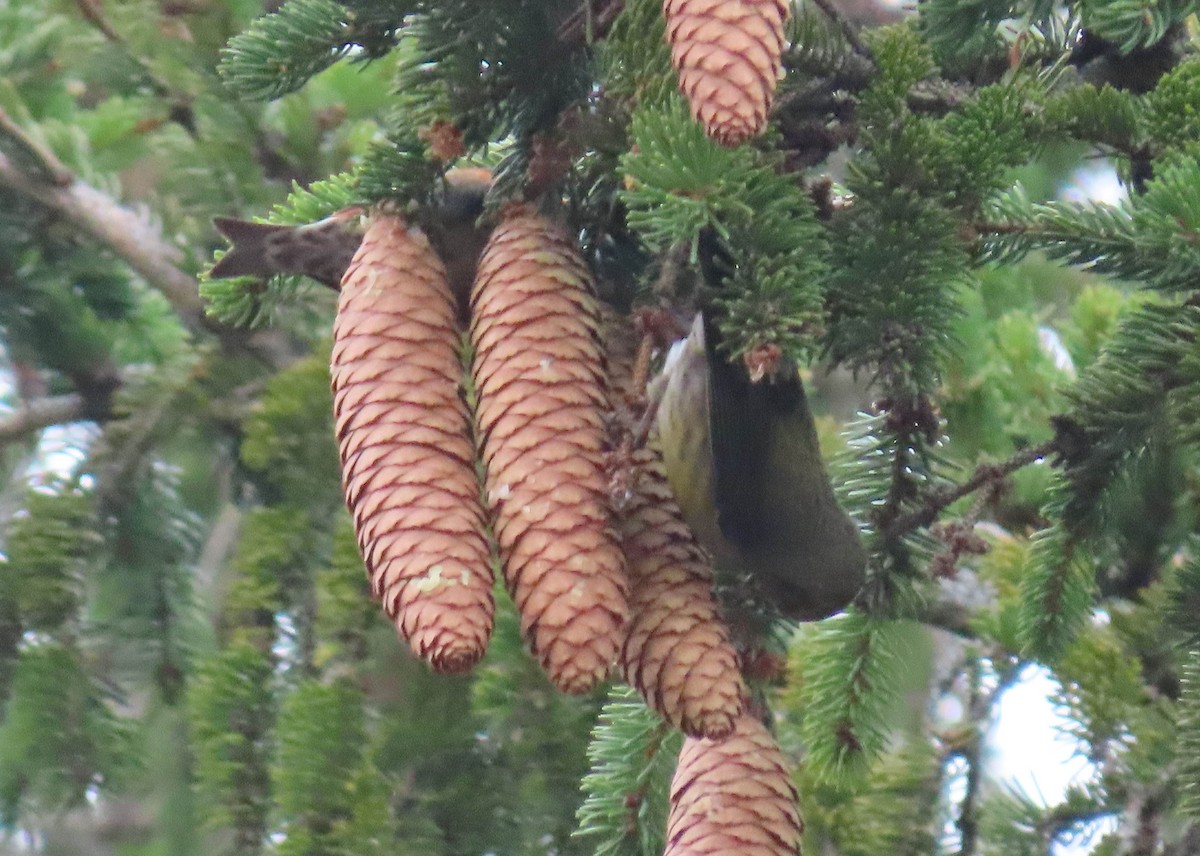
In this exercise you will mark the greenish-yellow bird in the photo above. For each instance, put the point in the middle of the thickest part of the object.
(745, 466)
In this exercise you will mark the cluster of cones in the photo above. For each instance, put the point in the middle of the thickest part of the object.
(596, 582)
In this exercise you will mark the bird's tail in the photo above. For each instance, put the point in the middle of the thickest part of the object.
(249, 251)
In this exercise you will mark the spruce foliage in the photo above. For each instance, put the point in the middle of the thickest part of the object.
(1006, 376)
(632, 754)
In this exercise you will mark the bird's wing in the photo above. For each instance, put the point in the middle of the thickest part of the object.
(743, 418)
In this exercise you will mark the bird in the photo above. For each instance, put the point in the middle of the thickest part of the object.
(744, 463)
(323, 250)
(320, 250)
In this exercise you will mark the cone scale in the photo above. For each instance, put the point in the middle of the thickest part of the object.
(539, 380)
(406, 450)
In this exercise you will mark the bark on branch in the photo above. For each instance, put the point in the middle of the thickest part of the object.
(128, 234)
(984, 474)
(41, 413)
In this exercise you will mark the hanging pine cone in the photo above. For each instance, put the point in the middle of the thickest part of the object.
(727, 54)
(539, 378)
(733, 796)
(407, 457)
(677, 652)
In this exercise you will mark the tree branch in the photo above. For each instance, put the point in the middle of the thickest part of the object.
(849, 31)
(41, 413)
(978, 708)
(948, 615)
(49, 167)
(128, 234)
(984, 474)
(1063, 818)
(965, 738)
(180, 102)
(588, 23)
(987, 228)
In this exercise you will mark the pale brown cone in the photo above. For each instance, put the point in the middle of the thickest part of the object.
(677, 653)
(539, 380)
(727, 54)
(408, 466)
(733, 797)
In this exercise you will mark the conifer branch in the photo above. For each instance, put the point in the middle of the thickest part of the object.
(849, 679)
(41, 157)
(968, 807)
(91, 401)
(93, 13)
(41, 413)
(984, 475)
(969, 747)
(589, 22)
(125, 450)
(1062, 818)
(987, 228)
(181, 111)
(1057, 590)
(130, 236)
(280, 52)
(849, 31)
(948, 615)
(1188, 724)
(632, 754)
(938, 96)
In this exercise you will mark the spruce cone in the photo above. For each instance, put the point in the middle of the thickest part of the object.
(733, 796)
(539, 378)
(407, 457)
(677, 653)
(727, 54)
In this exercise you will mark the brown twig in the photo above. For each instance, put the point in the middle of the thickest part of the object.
(958, 536)
(44, 160)
(834, 14)
(94, 15)
(181, 112)
(985, 474)
(129, 235)
(587, 23)
(41, 413)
